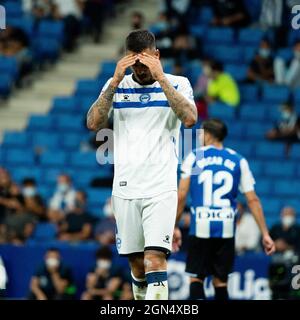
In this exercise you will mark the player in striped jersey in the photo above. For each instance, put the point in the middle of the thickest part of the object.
(215, 175)
(148, 109)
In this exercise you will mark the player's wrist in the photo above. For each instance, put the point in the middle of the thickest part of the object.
(115, 82)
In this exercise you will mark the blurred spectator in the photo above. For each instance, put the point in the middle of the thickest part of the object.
(106, 281)
(288, 127)
(52, 280)
(105, 230)
(288, 73)
(247, 232)
(70, 11)
(271, 13)
(63, 200)
(94, 11)
(137, 20)
(184, 226)
(286, 234)
(177, 9)
(77, 225)
(33, 202)
(221, 86)
(5, 183)
(261, 67)
(184, 46)
(39, 9)
(18, 224)
(229, 13)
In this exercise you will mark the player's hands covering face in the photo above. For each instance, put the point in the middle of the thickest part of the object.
(153, 63)
(122, 65)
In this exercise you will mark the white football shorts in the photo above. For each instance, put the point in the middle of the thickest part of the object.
(145, 223)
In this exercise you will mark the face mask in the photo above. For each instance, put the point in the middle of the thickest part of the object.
(29, 192)
(285, 115)
(107, 210)
(207, 71)
(288, 221)
(103, 264)
(52, 262)
(264, 53)
(63, 187)
(297, 54)
(161, 26)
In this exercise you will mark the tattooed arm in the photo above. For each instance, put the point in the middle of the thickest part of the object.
(183, 108)
(98, 114)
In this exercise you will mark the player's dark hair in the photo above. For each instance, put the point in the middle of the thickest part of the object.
(104, 253)
(28, 181)
(216, 66)
(216, 128)
(53, 249)
(139, 40)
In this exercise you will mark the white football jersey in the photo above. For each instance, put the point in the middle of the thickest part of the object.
(146, 134)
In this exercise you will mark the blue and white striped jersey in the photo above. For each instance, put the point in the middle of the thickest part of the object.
(217, 175)
(146, 134)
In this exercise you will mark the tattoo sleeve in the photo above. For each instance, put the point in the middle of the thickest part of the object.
(183, 109)
(98, 114)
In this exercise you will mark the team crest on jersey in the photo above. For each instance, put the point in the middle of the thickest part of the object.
(145, 97)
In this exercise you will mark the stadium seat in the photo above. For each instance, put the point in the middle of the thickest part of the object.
(256, 129)
(22, 157)
(90, 88)
(6, 84)
(197, 31)
(293, 36)
(244, 149)
(67, 123)
(54, 159)
(263, 187)
(271, 206)
(51, 30)
(13, 10)
(222, 111)
(22, 172)
(85, 103)
(85, 160)
(9, 65)
(252, 112)
(24, 23)
(296, 96)
(270, 150)
(13, 139)
(98, 195)
(64, 105)
(256, 167)
(71, 141)
(250, 36)
(295, 152)
(205, 15)
(44, 232)
(249, 53)
(226, 54)
(46, 140)
(285, 53)
(40, 122)
(107, 68)
(279, 169)
(47, 48)
(237, 71)
(253, 7)
(275, 94)
(236, 130)
(219, 36)
(285, 188)
(249, 92)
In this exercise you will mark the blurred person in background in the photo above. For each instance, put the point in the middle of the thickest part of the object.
(229, 13)
(261, 67)
(105, 229)
(247, 235)
(33, 202)
(18, 224)
(184, 226)
(78, 224)
(63, 200)
(288, 73)
(137, 20)
(5, 183)
(286, 234)
(106, 281)
(52, 280)
(221, 86)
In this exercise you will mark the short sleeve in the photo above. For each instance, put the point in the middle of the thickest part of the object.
(187, 166)
(185, 88)
(247, 181)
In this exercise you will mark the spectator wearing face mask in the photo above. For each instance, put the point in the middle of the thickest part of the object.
(106, 281)
(52, 280)
(78, 224)
(63, 200)
(288, 73)
(33, 202)
(288, 127)
(261, 67)
(105, 229)
(286, 235)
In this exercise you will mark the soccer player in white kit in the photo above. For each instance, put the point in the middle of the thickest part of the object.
(148, 109)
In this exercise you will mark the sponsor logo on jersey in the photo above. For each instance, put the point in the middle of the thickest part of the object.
(167, 239)
(123, 183)
(125, 98)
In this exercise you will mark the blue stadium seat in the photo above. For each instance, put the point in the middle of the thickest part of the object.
(250, 36)
(205, 15)
(285, 53)
(293, 36)
(197, 31)
(9, 65)
(22, 157)
(220, 110)
(264, 187)
(44, 232)
(13, 10)
(270, 150)
(71, 141)
(85, 103)
(296, 96)
(40, 122)
(46, 192)
(249, 53)
(237, 71)
(20, 173)
(295, 152)
(253, 7)
(236, 130)
(249, 92)
(256, 167)
(219, 36)
(107, 68)
(244, 149)
(226, 54)
(275, 94)
(46, 140)
(47, 48)
(67, 123)
(287, 188)
(6, 84)
(64, 105)
(98, 195)
(14, 139)
(54, 159)
(85, 160)
(83, 178)
(24, 23)
(51, 30)
(256, 129)
(271, 206)
(252, 112)
(50, 176)
(280, 169)
(89, 88)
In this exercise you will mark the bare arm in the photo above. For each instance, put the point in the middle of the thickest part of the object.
(182, 107)
(98, 114)
(35, 288)
(59, 283)
(183, 189)
(257, 211)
